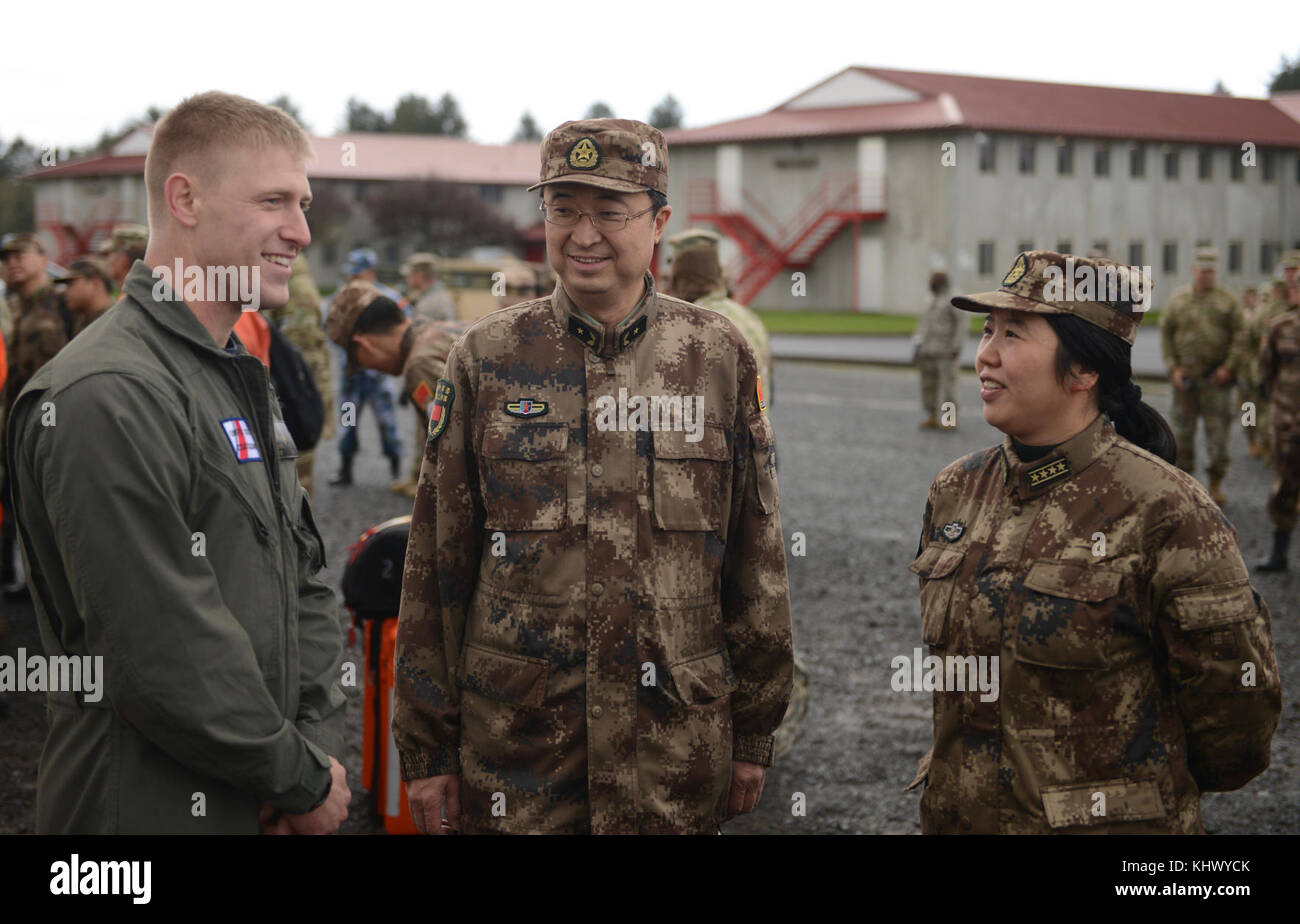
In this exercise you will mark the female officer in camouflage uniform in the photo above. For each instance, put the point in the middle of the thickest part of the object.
(1134, 661)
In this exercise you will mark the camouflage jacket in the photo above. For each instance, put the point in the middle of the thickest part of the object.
(300, 321)
(433, 304)
(39, 332)
(425, 347)
(1136, 665)
(750, 326)
(1199, 332)
(1279, 374)
(594, 622)
(941, 330)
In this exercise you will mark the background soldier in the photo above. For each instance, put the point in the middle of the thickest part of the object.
(1273, 302)
(300, 322)
(1199, 329)
(122, 248)
(938, 340)
(688, 237)
(376, 335)
(429, 298)
(594, 632)
(1279, 367)
(1248, 373)
(88, 292)
(697, 278)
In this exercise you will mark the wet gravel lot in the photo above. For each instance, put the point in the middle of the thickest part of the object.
(854, 472)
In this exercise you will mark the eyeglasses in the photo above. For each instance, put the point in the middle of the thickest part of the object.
(609, 220)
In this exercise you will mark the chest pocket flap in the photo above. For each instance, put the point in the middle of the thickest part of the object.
(937, 568)
(691, 479)
(1076, 581)
(525, 476)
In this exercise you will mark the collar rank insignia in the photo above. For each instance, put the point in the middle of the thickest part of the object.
(583, 332)
(634, 330)
(440, 412)
(1018, 269)
(241, 439)
(584, 155)
(1048, 472)
(526, 407)
(952, 531)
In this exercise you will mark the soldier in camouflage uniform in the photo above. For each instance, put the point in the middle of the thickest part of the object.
(594, 633)
(376, 335)
(300, 322)
(697, 278)
(1200, 333)
(1135, 665)
(1248, 373)
(938, 341)
(1279, 372)
(122, 248)
(1276, 301)
(429, 298)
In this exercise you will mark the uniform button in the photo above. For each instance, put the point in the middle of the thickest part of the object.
(597, 712)
(597, 589)
(598, 469)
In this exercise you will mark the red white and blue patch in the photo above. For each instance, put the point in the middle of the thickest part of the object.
(241, 439)
(526, 407)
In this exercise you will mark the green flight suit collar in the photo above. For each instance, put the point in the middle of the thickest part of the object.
(174, 315)
(1030, 479)
(599, 338)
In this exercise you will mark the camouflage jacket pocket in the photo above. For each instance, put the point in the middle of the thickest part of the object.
(503, 676)
(1106, 802)
(525, 476)
(700, 680)
(1070, 615)
(937, 568)
(692, 480)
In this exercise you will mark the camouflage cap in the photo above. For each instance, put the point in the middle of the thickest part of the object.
(1206, 258)
(424, 261)
(696, 272)
(349, 302)
(1291, 259)
(21, 240)
(619, 154)
(124, 236)
(89, 268)
(1249, 288)
(693, 237)
(1046, 282)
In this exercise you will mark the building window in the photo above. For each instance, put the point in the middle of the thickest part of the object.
(1204, 162)
(1171, 164)
(1065, 157)
(1065, 246)
(986, 258)
(1169, 257)
(1234, 256)
(1024, 246)
(1136, 253)
(1236, 169)
(988, 152)
(1268, 164)
(490, 194)
(1137, 160)
(1027, 152)
(1267, 256)
(1101, 159)
(1101, 247)
(1203, 242)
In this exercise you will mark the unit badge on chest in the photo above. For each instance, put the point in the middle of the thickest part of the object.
(952, 531)
(526, 407)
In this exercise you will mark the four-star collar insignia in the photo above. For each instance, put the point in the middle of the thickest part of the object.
(1048, 472)
(952, 531)
(526, 407)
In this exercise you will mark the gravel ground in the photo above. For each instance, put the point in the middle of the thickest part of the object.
(854, 474)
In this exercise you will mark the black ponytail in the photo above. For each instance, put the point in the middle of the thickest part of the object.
(1119, 398)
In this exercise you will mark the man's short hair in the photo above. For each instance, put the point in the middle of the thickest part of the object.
(215, 120)
(379, 317)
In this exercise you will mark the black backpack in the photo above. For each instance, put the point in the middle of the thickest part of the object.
(300, 401)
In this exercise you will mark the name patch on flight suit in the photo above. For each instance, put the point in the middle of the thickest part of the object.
(1048, 472)
(241, 439)
(443, 395)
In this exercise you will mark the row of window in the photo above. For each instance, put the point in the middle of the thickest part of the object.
(1027, 151)
(1269, 253)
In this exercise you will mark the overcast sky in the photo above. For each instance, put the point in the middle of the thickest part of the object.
(69, 75)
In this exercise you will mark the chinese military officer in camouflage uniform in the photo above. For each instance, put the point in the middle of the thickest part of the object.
(938, 339)
(595, 630)
(697, 278)
(300, 322)
(1199, 329)
(1133, 664)
(376, 335)
(1279, 373)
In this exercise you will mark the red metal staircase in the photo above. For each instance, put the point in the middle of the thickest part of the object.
(837, 201)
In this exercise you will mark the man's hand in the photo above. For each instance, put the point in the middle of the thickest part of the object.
(1221, 376)
(746, 788)
(426, 798)
(326, 817)
(1179, 378)
(271, 821)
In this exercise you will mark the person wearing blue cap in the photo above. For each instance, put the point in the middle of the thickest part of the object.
(362, 386)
